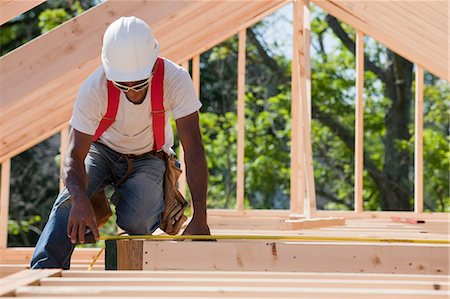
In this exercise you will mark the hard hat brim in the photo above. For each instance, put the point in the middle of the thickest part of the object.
(113, 74)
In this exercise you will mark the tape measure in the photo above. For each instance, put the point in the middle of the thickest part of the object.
(272, 237)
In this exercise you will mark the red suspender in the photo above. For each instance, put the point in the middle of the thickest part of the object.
(158, 115)
(111, 112)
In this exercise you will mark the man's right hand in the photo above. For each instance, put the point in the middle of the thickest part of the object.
(82, 216)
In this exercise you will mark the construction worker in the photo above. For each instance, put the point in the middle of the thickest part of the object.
(130, 65)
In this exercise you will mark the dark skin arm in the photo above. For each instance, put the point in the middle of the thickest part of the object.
(196, 171)
(82, 215)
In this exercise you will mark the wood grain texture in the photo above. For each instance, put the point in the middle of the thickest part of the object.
(130, 255)
(417, 30)
(10, 9)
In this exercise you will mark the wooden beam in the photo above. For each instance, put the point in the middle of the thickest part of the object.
(182, 182)
(383, 214)
(359, 123)
(243, 282)
(196, 73)
(64, 142)
(418, 142)
(253, 274)
(305, 92)
(240, 184)
(297, 180)
(22, 255)
(296, 256)
(4, 202)
(298, 224)
(10, 9)
(23, 278)
(220, 292)
(404, 40)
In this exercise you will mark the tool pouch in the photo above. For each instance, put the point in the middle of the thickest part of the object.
(101, 207)
(172, 218)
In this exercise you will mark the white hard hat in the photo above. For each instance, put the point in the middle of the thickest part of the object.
(129, 50)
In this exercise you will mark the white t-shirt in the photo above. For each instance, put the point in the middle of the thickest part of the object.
(132, 132)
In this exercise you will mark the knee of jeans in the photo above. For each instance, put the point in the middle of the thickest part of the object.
(137, 225)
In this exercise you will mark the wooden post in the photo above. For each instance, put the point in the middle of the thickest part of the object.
(241, 121)
(305, 97)
(4, 202)
(297, 182)
(196, 73)
(182, 184)
(62, 153)
(418, 143)
(359, 124)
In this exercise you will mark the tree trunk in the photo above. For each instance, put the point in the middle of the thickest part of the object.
(397, 162)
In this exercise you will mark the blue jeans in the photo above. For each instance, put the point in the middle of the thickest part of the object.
(139, 202)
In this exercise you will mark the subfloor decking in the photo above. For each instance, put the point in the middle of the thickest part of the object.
(334, 280)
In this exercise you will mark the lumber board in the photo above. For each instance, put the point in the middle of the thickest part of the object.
(4, 202)
(24, 277)
(305, 103)
(413, 50)
(418, 142)
(10, 9)
(260, 291)
(359, 124)
(296, 224)
(297, 176)
(383, 214)
(129, 255)
(253, 274)
(411, 33)
(240, 183)
(261, 255)
(22, 255)
(8, 269)
(245, 282)
(63, 145)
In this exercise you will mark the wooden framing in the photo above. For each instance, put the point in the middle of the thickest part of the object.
(64, 142)
(228, 255)
(302, 176)
(418, 142)
(4, 202)
(359, 123)
(57, 80)
(182, 182)
(240, 184)
(305, 92)
(25, 277)
(196, 73)
(297, 180)
(10, 9)
(221, 284)
(416, 30)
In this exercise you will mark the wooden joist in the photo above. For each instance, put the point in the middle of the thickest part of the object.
(25, 277)
(260, 291)
(417, 30)
(260, 255)
(10, 9)
(215, 284)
